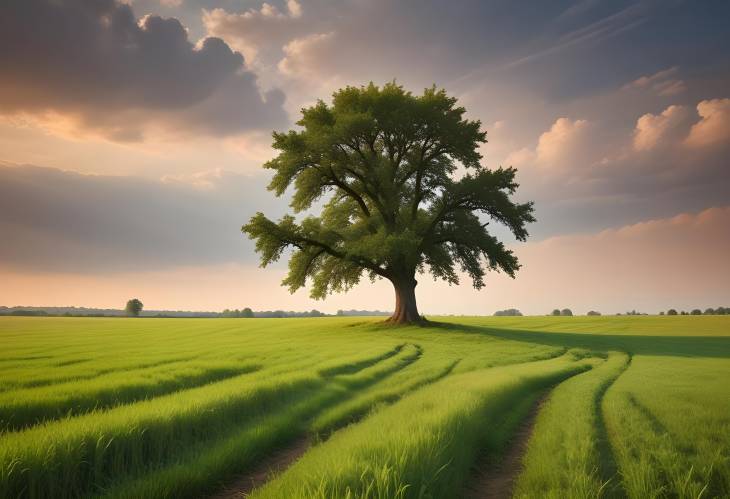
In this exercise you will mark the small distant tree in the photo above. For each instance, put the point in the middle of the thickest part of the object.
(721, 311)
(556, 311)
(566, 312)
(696, 311)
(671, 311)
(247, 313)
(709, 311)
(593, 312)
(134, 307)
(661, 313)
(510, 312)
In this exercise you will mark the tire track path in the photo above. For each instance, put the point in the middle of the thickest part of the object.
(262, 472)
(497, 482)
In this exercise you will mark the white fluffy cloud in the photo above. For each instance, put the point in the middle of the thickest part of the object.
(563, 142)
(301, 55)
(653, 130)
(257, 33)
(563, 147)
(714, 125)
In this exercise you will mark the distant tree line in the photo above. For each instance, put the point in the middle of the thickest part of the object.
(566, 312)
(281, 314)
(697, 311)
(362, 313)
(135, 309)
(246, 313)
(510, 312)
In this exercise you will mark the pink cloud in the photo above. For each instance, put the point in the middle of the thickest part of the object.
(714, 125)
(676, 262)
(652, 130)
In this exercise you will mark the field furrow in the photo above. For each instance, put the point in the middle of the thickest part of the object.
(433, 436)
(565, 457)
(672, 442)
(226, 459)
(23, 408)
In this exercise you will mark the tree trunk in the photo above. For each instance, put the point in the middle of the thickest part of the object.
(406, 310)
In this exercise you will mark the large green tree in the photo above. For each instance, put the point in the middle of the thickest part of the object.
(402, 192)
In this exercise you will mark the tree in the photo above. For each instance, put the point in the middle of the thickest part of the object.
(510, 312)
(385, 163)
(593, 312)
(247, 313)
(696, 311)
(671, 311)
(566, 312)
(134, 307)
(556, 311)
(709, 311)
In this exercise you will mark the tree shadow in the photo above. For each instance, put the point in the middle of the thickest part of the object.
(678, 346)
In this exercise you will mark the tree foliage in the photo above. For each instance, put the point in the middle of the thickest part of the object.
(383, 164)
(133, 307)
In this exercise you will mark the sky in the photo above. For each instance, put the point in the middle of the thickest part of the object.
(132, 136)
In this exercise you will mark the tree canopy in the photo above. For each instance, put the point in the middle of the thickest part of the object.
(401, 188)
(133, 307)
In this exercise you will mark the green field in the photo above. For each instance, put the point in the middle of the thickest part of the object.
(635, 406)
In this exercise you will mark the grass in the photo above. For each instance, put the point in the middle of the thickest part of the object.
(140, 408)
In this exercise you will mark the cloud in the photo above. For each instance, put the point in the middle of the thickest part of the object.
(714, 125)
(562, 142)
(523, 157)
(653, 130)
(257, 33)
(60, 221)
(101, 70)
(653, 265)
(591, 174)
(302, 54)
(679, 261)
(662, 83)
(671, 128)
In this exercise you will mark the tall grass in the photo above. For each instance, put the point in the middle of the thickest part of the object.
(669, 422)
(23, 408)
(564, 458)
(421, 446)
(177, 408)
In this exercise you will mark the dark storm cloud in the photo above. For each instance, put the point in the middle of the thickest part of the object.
(95, 61)
(53, 220)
